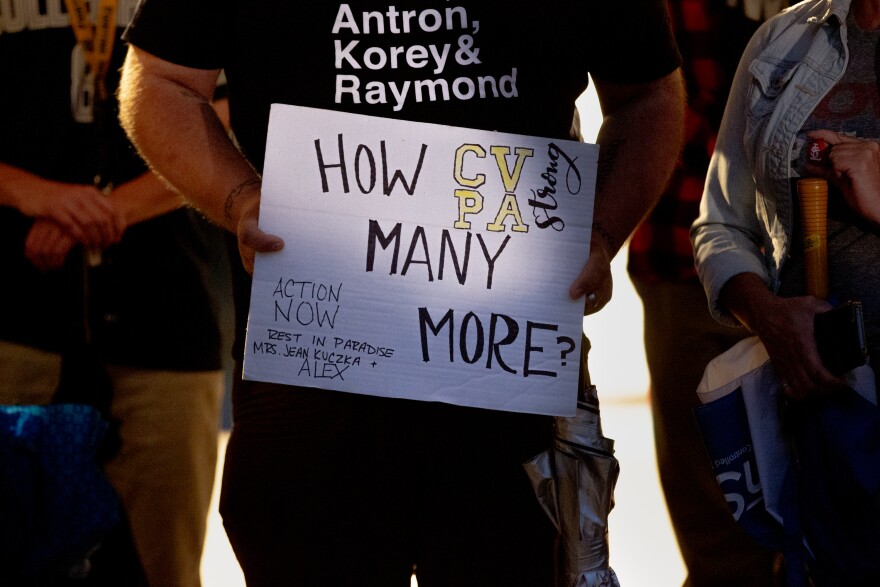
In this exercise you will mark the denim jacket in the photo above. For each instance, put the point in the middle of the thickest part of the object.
(746, 217)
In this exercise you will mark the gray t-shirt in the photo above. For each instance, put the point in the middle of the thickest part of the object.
(851, 107)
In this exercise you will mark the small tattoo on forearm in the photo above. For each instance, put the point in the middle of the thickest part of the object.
(602, 233)
(234, 195)
(186, 93)
(607, 158)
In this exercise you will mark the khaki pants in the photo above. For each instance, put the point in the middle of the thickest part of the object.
(164, 470)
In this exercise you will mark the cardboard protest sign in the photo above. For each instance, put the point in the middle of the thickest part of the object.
(421, 261)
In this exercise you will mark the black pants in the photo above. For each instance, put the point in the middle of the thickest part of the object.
(323, 488)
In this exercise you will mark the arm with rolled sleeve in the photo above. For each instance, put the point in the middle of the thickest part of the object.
(727, 235)
(734, 249)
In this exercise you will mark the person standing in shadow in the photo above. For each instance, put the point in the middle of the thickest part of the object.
(73, 187)
(680, 334)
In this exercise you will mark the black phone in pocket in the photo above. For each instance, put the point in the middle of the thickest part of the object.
(840, 337)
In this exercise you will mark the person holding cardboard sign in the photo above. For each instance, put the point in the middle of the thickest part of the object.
(681, 336)
(327, 488)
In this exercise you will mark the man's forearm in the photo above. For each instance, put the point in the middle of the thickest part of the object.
(170, 120)
(15, 186)
(640, 142)
(145, 197)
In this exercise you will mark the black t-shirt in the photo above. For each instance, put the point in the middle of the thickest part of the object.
(153, 303)
(492, 65)
(481, 64)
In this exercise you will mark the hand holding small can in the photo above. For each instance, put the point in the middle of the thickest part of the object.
(817, 151)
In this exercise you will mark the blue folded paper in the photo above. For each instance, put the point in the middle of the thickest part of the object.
(55, 502)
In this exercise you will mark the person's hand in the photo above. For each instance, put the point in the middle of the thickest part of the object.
(251, 239)
(47, 245)
(595, 280)
(853, 165)
(82, 211)
(786, 329)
